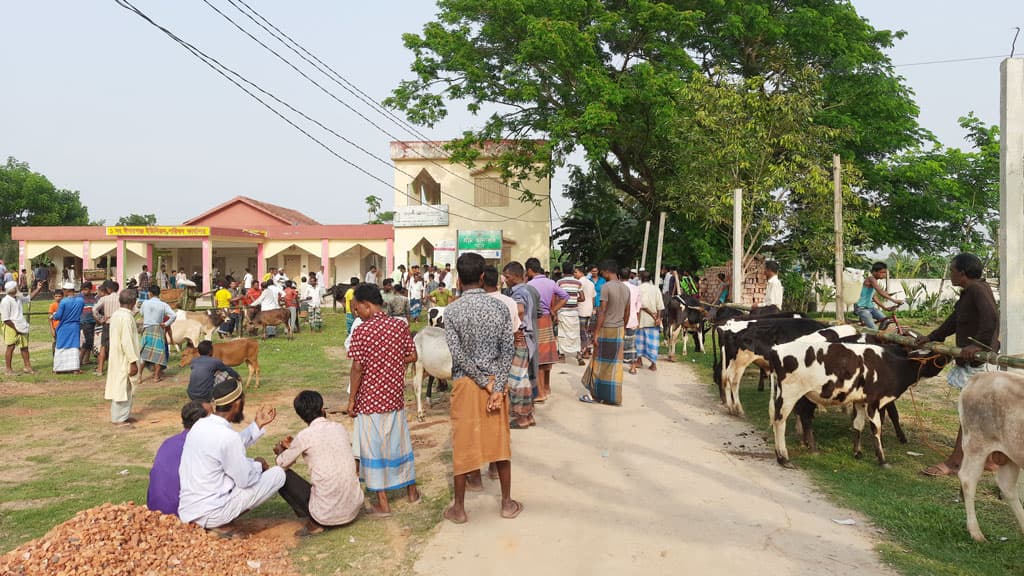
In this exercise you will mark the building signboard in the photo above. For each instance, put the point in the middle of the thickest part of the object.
(486, 243)
(421, 215)
(158, 230)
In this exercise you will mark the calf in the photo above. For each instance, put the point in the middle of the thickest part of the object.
(337, 293)
(435, 317)
(433, 358)
(747, 341)
(866, 376)
(210, 320)
(683, 315)
(805, 409)
(185, 331)
(992, 421)
(259, 319)
(233, 353)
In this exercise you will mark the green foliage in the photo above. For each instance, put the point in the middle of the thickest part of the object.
(28, 198)
(137, 220)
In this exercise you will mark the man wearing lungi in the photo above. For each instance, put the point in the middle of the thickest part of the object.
(585, 310)
(478, 329)
(157, 316)
(632, 322)
(520, 391)
(649, 335)
(552, 298)
(123, 372)
(380, 351)
(568, 316)
(68, 336)
(603, 378)
(527, 297)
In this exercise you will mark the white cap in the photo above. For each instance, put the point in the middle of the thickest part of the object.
(10, 286)
(68, 286)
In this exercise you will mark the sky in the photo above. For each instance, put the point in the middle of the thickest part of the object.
(103, 103)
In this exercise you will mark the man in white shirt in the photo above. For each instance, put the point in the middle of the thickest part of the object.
(312, 295)
(371, 276)
(218, 481)
(773, 291)
(14, 327)
(270, 299)
(247, 280)
(280, 278)
(585, 310)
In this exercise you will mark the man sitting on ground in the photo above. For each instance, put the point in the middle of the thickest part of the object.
(164, 485)
(218, 481)
(332, 496)
(204, 371)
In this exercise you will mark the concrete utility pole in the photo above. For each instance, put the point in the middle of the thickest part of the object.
(837, 192)
(1011, 207)
(736, 291)
(647, 236)
(661, 241)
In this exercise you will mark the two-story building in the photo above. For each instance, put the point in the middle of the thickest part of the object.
(447, 209)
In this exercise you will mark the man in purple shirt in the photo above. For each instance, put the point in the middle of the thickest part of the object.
(164, 485)
(552, 298)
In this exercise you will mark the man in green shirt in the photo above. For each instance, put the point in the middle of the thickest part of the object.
(441, 297)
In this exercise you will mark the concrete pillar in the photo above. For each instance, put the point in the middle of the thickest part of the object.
(261, 263)
(736, 291)
(390, 256)
(86, 256)
(119, 271)
(1011, 207)
(23, 257)
(325, 263)
(149, 261)
(207, 264)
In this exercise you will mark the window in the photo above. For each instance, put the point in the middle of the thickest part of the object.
(490, 192)
(424, 190)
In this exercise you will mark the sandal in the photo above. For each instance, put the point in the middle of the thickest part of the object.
(513, 425)
(517, 508)
(586, 399)
(937, 470)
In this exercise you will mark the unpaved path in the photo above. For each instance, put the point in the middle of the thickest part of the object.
(649, 488)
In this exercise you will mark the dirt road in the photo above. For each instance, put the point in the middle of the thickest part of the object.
(649, 488)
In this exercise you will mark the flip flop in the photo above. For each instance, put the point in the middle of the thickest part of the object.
(586, 399)
(518, 508)
(517, 426)
(453, 520)
(222, 532)
(937, 470)
(376, 515)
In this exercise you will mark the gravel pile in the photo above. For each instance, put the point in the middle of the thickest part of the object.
(126, 539)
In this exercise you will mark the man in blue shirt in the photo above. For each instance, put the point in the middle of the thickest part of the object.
(204, 372)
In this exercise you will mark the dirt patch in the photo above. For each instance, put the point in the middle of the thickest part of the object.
(29, 504)
(336, 353)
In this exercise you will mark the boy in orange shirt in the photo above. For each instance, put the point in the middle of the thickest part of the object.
(58, 295)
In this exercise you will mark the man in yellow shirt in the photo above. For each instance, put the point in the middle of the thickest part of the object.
(349, 295)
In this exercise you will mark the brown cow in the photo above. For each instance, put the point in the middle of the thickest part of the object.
(210, 320)
(233, 353)
(258, 319)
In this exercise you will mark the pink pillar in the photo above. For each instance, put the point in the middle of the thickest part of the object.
(149, 260)
(325, 262)
(261, 263)
(390, 256)
(207, 263)
(86, 257)
(22, 257)
(119, 273)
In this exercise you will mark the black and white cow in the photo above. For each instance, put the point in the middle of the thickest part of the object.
(719, 317)
(867, 376)
(435, 317)
(743, 342)
(683, 316)
(805, 409)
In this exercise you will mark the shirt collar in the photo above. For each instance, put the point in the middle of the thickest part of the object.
(473, 291)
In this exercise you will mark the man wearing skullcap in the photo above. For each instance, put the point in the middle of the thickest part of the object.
(13, 326)
(69, 331)
(218, 481)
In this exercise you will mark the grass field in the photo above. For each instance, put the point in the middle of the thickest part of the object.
(921, 520)
(63, 456)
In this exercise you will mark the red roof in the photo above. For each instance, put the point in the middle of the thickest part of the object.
(285, 215)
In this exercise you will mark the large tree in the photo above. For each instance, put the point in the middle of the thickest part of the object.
(28, 198)
(607, 76)
(137, 220)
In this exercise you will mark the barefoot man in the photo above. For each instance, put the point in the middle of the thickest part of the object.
(478, 329)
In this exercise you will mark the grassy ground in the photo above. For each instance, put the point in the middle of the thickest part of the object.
(921, 520)
(63, 456)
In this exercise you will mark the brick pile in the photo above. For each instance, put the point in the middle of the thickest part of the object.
(754, 282)
(126, 539)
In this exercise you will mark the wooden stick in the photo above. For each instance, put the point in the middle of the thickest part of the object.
(954, 351)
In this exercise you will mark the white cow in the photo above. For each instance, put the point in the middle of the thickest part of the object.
(433, 359)
(991, 417)
(184, 329)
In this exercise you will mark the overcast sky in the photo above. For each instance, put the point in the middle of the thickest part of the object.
(101, 102)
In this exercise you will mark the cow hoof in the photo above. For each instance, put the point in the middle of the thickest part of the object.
(885, 466)
(858, 455)
(786, 463)
(419, 418)
(671, 358)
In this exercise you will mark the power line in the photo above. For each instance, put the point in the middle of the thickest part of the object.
(343, 103)
(227, 73)
(954, 60)
(332, 75)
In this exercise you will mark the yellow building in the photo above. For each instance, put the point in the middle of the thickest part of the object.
(448, 209)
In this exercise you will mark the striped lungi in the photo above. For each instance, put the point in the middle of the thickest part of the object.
(520, 390)
(479, 437)
(585, 334)
(547, 347)
(647, 342)
(629, 346)
(603, 377)
(384, 448)
(415, 307)
(568, 332)
(154, 348)
(66, 359)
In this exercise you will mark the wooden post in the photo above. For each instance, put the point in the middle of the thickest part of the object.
(837, 191)
(661, 242)
(1011, 207)
(643, 255)
(736, 291)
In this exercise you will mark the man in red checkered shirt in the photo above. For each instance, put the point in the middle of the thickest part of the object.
(380, 351)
